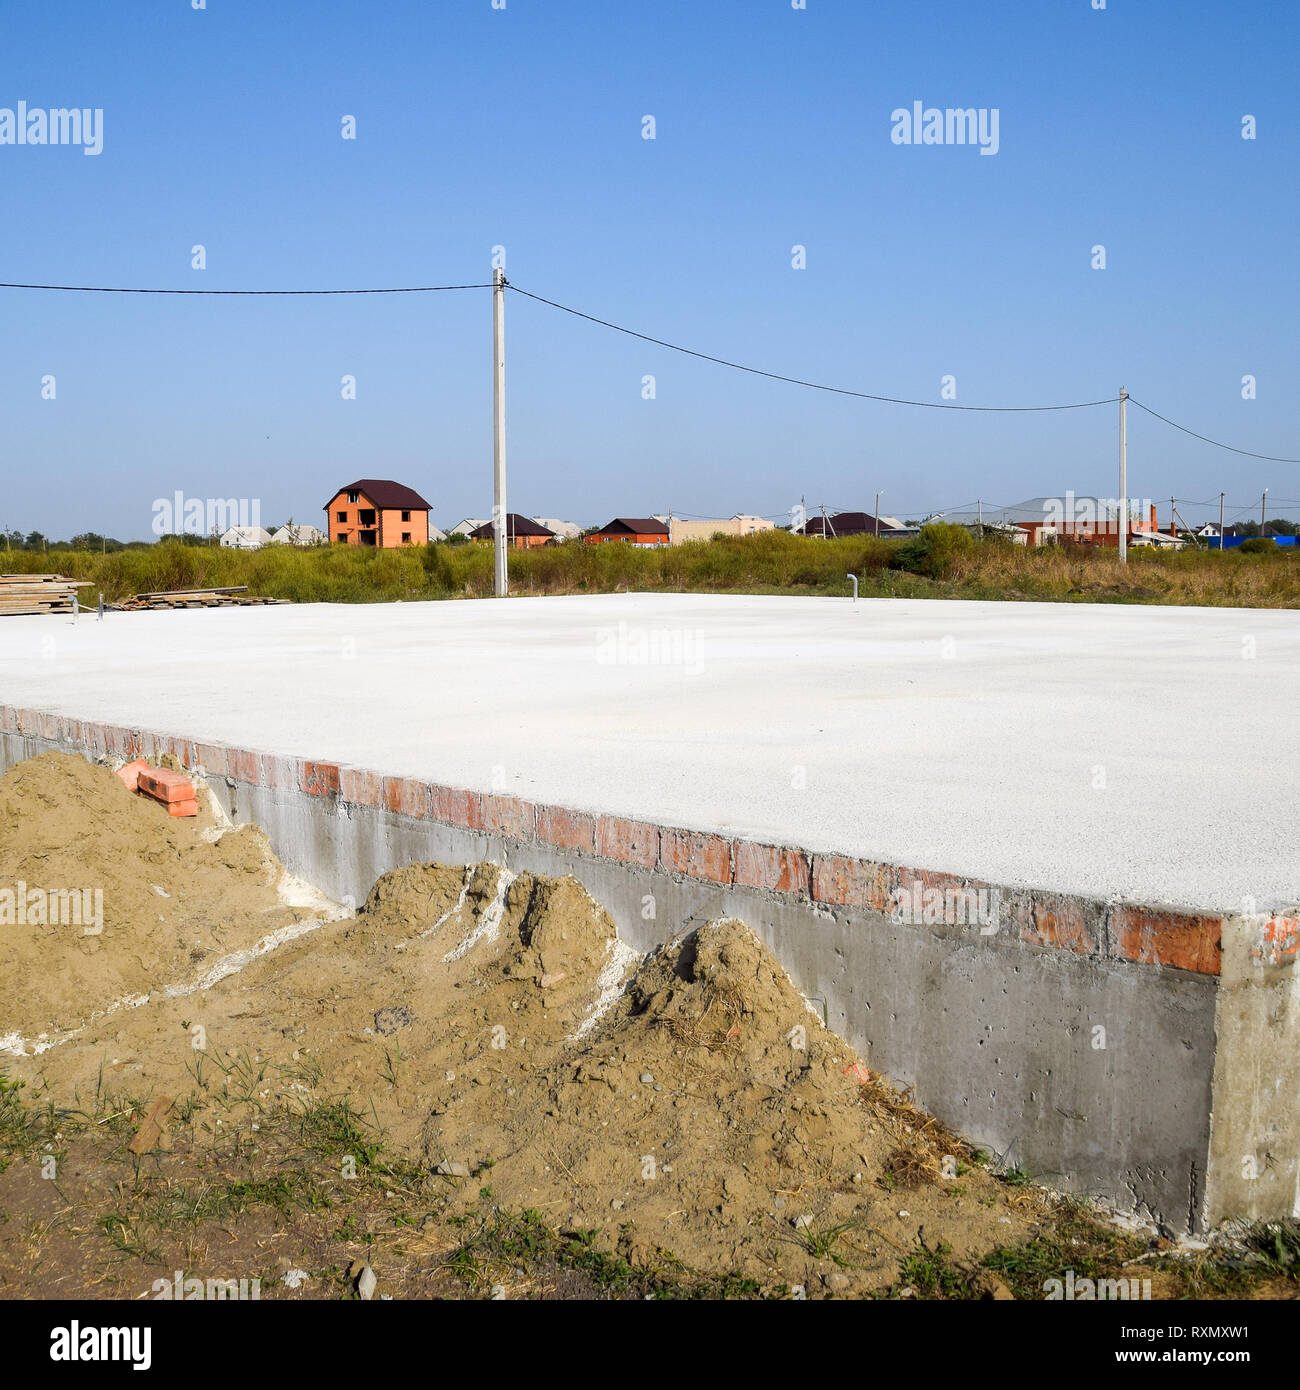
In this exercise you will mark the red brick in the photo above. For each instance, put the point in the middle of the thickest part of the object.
(130, 774)
(211, 758)
(95, 742)
(1057, 922)
(49, 726)
(281, 773)
(628, 841)
(320, 779)
(360, 787)
(696, 854)
(8, 719)
(565, 829)
(854, 882)
(771, 867)
(244, 766)
(122, 743)
(407, 797)
(1278, 938)
(1179, 939)
(181, 749)
(508, 815)
(163, 784)
(183, 808)
(456, 806)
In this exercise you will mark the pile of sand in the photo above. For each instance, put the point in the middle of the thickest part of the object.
(158, 901)
(495, 1027)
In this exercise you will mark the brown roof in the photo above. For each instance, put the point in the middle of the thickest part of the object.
(846, 524)
(639, 525)
(385, 494)
(516, 525)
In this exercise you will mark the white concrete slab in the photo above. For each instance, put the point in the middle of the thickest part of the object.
(1151, 753)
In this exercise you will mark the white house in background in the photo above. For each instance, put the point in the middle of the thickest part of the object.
(741, 524)
(564, 530)
(435, 534)
(246, 538)
(471, 523)
(290, 534)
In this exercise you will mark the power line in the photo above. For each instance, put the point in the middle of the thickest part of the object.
(796, 381)
(1268, 458)
(118, 289)
(661, 342)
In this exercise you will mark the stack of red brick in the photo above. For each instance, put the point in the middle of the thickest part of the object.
(173, 789)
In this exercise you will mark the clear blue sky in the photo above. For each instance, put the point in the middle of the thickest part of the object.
(523, 127)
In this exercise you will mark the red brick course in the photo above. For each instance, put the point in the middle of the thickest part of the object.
(1166, 938)
(566, 829)
(773, 868)
(696, 854)
(628, 841)
(508, 815)
(404, 796)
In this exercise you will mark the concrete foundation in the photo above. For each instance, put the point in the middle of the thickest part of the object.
(1142, 1056)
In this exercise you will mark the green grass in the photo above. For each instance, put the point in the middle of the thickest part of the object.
(942, 563)
(502, 1243)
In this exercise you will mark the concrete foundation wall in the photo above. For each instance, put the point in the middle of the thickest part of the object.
(1087, 1043)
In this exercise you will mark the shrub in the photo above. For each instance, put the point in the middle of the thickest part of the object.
(1260, 545)
(935, 552)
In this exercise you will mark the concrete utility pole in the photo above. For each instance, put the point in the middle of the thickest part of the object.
(1263, 502)
(499, 429)
(979, 512)
(877, 514)
(1123, 475)
(1221, 521)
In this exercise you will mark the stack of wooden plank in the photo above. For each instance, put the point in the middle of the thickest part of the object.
(234, 595)
(38, 593)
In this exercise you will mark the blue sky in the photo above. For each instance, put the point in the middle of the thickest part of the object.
(522, 128)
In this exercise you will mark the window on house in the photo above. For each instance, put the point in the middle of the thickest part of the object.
(342, 516)
(354, 497)
(406, 516)
(341, 537)
(406, 538)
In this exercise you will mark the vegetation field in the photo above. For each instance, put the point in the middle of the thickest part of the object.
(943, 562)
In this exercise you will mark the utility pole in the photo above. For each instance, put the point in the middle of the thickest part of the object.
(1221, 521)
(1123, 476)
(979, 513)
(499, 429)
(1173, 515)
(877, 514)
(1263, 502)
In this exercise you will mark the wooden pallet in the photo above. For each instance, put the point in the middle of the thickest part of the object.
(39, 593)
(232, 596)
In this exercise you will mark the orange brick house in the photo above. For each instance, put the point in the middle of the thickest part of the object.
(632, 530)
(379, 512)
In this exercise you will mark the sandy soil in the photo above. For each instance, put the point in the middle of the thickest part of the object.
(497, 1030)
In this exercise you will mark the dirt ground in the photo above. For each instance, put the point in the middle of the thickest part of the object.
(476, 1052)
